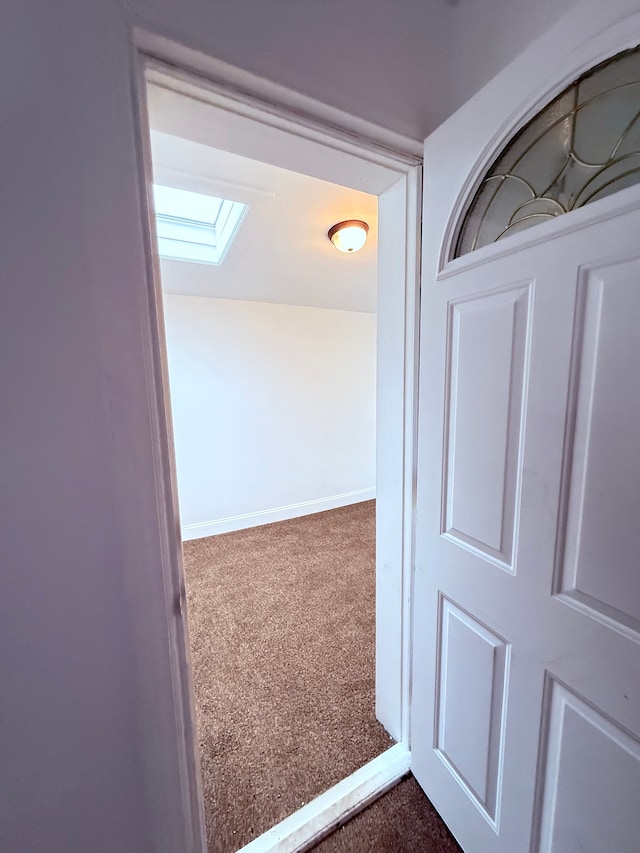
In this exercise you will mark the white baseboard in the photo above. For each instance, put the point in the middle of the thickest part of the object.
(313, 822)
(267, 516)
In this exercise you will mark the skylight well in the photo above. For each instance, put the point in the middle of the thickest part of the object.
(195, 227)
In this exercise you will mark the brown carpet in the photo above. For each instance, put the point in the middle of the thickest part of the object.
(402, 821)
(281, 622)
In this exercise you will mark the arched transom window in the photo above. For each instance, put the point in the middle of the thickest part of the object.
(582, 146)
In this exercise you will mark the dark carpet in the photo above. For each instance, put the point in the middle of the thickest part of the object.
(402, 821)
(281, 623)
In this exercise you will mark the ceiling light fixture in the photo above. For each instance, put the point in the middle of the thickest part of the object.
(349, 236)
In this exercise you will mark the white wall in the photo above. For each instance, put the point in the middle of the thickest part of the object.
(273, 410)
(87, 715)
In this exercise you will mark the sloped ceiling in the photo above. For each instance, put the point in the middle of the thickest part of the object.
(281, 253)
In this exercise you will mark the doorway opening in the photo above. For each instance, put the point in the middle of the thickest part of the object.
(186, 125)
(272, 386)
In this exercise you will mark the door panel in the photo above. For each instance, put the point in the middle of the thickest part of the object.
(526, 588)
(473, 665)
(525, 716)
(590, 780)
(486, 347)
(602, 533)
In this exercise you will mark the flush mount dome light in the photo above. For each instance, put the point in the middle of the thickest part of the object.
(349, 236)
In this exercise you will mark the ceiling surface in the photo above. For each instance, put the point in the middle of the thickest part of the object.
(281, 253)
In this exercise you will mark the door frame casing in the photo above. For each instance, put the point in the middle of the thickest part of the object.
(271, 105)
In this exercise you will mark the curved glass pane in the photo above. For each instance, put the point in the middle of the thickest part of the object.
(582, 146)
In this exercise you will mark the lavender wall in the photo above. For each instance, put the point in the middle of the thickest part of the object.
(382, 60)
(488, 35)
(88, 761)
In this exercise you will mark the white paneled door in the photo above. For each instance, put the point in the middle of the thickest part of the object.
(526, 674)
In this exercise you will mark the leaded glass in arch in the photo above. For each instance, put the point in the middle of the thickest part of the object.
(582, 146)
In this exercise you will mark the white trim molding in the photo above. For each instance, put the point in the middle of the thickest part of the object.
(348, 153)
(268, 516)
(272, 101)
(305, 828)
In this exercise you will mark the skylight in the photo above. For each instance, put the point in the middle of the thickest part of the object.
(195, 227)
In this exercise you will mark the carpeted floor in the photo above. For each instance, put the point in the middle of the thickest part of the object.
(402, 821)
(281, 623)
